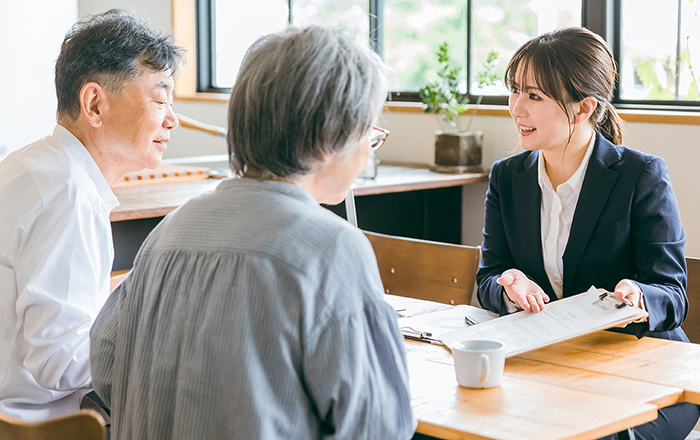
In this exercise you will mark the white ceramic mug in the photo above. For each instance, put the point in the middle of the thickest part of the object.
(479, 363)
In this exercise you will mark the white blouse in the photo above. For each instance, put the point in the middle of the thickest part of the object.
(556, 215)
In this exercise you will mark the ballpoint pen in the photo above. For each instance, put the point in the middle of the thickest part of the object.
(415, 335)
(424, 339)
(470, 321)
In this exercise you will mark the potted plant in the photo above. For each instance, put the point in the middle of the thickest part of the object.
(457, 149)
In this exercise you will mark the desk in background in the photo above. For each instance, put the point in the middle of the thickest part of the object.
(404, 200)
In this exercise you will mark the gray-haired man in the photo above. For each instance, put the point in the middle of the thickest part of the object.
(114, 85)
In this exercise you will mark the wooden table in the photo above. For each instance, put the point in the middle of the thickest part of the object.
(139, 202)
(583, 388)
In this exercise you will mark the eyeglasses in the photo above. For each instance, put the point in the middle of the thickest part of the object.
(377, 137)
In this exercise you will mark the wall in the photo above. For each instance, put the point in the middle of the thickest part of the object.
(412, 139)
(31, 33)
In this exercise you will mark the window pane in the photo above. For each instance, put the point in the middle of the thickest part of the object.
(649, 61)
(504, 25)
(413, 30)
(234, 32)
(352, 15)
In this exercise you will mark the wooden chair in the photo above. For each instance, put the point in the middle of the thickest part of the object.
(691, 326)
(85, 425)
(426, 270)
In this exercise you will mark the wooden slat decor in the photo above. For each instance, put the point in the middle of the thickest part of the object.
(163, 174)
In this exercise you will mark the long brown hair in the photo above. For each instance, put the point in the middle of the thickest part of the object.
(573, 61)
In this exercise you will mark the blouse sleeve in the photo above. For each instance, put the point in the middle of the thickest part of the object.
(103, 336)
(357, 376)
(354, 361)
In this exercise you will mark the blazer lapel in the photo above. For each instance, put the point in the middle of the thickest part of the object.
(597, 185)
(527, 197)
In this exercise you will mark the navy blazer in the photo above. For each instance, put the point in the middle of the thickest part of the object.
(626, 225)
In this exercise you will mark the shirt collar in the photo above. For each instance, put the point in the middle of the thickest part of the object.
(77, 151)
(576, 180)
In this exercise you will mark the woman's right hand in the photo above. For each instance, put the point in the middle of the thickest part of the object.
(523, 291)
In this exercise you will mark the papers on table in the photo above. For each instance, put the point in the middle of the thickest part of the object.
(443, 321)
(427, 320)
(410, 306)
(559, 320)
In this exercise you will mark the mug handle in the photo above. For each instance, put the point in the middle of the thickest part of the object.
(483, 367)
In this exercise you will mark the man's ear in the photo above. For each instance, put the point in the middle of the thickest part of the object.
(93, 103)
(585, 108)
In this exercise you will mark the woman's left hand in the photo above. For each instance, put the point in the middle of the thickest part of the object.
(628, 290)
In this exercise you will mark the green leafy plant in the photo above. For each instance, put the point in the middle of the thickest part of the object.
(442, 96)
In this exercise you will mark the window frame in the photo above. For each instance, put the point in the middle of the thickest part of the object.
(600, 16)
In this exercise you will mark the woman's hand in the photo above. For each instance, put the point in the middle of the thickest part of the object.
(628, 290)
(523, 291)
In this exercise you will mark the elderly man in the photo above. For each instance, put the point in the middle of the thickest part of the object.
(252, 312)
(114, 85)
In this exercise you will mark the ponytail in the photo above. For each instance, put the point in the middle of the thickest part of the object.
(610, 123)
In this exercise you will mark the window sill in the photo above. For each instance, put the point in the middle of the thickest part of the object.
(221, 98)
(645, 116)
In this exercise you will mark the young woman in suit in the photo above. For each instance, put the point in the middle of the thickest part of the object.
(577, 209)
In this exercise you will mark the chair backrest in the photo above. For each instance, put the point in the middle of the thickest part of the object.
(426, 270)
(85, 425)
(691, 326)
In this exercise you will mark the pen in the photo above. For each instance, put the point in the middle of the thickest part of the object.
(470, 321)
(428, 340)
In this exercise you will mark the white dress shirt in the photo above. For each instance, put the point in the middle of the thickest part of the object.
(556, 215)
(56, 254)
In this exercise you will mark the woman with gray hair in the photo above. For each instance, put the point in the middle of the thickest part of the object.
(252, 312)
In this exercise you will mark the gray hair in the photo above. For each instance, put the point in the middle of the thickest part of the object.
(302, 94)
(110, 49)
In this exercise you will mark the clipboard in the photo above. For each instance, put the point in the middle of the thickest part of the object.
(563, 319)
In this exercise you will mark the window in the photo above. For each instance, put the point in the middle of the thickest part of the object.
(656, 68)
(232, 23)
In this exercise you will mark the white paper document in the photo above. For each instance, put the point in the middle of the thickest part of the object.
(559, 320)
(436, 323)
(410, 306)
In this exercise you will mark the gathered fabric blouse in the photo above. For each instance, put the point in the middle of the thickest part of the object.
(252, 312)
